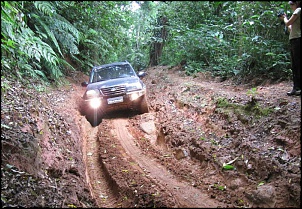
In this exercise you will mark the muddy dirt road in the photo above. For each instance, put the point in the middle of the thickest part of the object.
(204, 143)
(174, 155)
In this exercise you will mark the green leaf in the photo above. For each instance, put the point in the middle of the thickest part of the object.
(49, 34)
(221, 188)
(5, 126)
(228, 167)
(3, 199)
(270, 54)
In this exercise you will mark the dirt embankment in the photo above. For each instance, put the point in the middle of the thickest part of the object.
(203, 144)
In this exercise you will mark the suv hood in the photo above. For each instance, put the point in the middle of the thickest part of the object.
(114, 82)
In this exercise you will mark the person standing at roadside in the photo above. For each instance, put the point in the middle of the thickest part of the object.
(294, 26)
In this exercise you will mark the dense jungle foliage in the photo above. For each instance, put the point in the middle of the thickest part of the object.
(49, 39)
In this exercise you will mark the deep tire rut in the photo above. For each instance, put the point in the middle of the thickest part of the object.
(186, 195)
(99, 185)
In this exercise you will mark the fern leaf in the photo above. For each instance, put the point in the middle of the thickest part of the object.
(49, 34)
(8, 14)
(40, 73)
(88, 41)
(64, 25)
(66, 64)
(44, 7)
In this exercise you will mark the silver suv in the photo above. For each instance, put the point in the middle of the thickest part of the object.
(111, 87)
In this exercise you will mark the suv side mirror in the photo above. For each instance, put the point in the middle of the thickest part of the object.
(141, 74)
(84, 84)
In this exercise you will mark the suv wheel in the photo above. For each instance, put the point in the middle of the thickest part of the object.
(94, 118)
(81, 109)
(143, 108)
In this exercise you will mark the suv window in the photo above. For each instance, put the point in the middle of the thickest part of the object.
(112, 72)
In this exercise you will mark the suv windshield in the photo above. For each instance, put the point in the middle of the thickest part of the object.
(112, 72)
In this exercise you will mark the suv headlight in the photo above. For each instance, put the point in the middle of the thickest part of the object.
(134, 86)
(92, 93)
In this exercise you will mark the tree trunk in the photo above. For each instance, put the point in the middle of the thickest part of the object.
(160, 35)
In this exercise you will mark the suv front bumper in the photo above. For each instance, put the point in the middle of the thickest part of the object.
(130, 100)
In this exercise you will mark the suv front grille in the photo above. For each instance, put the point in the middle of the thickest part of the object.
(113, 90)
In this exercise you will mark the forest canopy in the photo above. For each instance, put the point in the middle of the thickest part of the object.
(49, 39)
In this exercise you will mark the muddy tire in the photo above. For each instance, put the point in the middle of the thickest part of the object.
(81, 108)
(143, 106)
(94, 118)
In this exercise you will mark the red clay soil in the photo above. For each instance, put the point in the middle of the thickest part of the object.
(204, 143)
